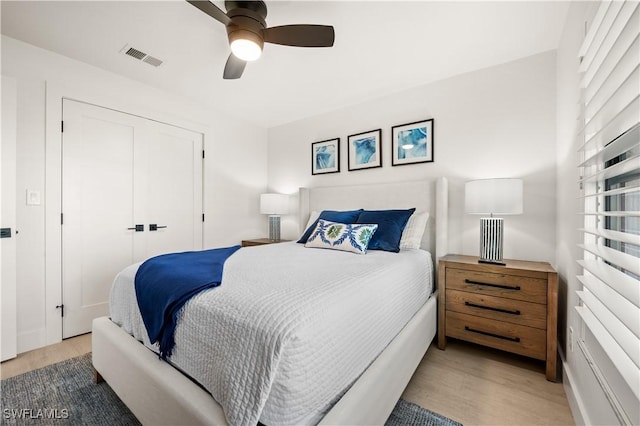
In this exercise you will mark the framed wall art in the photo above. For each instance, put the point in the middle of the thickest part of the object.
(412, 143)
(325, 156)
(364, 150)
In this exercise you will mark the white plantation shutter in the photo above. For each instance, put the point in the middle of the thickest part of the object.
(609, 302)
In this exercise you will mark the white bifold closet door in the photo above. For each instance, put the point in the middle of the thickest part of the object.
(131, 189)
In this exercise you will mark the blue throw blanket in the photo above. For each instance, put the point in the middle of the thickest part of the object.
(165, 283)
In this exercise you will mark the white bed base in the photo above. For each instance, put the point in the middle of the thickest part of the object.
(159, 394)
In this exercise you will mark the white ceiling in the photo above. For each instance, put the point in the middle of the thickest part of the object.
(381, 47)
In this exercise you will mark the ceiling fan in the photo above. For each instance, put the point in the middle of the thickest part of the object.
(247, 32)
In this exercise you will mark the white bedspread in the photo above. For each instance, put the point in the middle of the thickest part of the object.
(290, 328)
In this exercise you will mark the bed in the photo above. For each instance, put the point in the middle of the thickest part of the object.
(362, 388)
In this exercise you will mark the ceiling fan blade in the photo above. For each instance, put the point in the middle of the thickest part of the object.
(304, 35)
(211, 9)
(234, 68)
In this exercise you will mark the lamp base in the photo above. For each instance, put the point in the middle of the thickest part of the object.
(491, 239)
(274, 228)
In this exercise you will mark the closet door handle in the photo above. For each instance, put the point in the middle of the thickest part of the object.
(155, 227)
(137, 228)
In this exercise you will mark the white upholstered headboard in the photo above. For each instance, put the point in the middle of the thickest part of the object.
(427, 195)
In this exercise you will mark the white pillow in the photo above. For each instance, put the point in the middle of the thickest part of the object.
(413, 231)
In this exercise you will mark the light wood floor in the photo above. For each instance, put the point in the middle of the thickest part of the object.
(466, 382)
(475, 385)
(42, 357)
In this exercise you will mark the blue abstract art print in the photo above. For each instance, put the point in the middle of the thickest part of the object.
(412, 143)
(364, 150)
(325, 156)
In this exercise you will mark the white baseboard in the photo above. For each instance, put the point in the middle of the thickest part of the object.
(575, 403)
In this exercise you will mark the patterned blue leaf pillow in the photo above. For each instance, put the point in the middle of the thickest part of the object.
(341, 236)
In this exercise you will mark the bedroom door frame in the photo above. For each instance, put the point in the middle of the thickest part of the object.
(54, 95)
(8, 219)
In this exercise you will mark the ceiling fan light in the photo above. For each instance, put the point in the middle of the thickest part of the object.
(247, 50)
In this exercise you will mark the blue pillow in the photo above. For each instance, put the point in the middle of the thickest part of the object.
(349, 216)
(390, 223)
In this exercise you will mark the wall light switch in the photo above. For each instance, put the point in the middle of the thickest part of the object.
(570, 339)
(33, 197)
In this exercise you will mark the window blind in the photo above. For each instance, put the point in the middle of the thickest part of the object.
(609, 153)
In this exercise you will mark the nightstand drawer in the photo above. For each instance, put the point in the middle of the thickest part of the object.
(510, 337)
(498, 308)
(501, 285)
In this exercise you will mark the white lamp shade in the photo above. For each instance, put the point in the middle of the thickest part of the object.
(274, 204)
(493, 196)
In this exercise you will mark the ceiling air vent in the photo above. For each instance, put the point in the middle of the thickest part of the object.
(140, 55)
(135, 53)
(152, 61)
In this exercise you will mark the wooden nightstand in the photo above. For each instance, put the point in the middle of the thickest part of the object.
(512, 307)
(260, 242)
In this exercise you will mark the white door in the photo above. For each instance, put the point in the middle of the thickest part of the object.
(8, 313)
(170, 192)
(120, 174)
(97, 206)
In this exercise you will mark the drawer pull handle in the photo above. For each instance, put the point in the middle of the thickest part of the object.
(486, 333)
(506, 311)
(506, 287)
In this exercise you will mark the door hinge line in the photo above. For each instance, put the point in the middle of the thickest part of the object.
(61, 218)
(203, 153)
(203, 217)
(62, 126)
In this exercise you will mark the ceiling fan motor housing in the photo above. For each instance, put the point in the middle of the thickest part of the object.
(247, 21)
(245, 27)
(258, 7)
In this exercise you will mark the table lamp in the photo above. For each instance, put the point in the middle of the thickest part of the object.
(489, 197)
(274, 205)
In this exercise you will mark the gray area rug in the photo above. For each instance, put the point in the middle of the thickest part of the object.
(64, 393)
(409, 414)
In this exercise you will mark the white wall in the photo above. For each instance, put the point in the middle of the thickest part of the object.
(495, 122)
(588, 402)
(235, 168)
